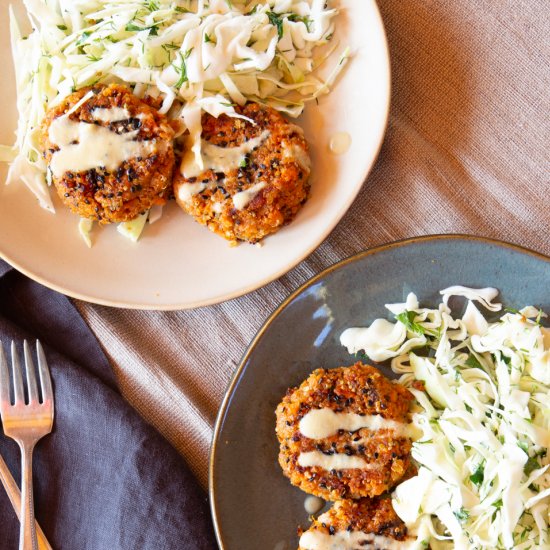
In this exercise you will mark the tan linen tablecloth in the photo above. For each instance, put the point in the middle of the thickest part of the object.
(467, 150)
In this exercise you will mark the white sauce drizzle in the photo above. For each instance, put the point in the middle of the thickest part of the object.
(187, 191)
(84, 146)
(299, 154)
(312, 504)
(219, 159)
(111, 114)
(349, 540)
(217, 207)
(322, 423)
(340, 143)
(333, 462)
(243, 198)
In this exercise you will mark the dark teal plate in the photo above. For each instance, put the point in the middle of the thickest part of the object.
(254, 507)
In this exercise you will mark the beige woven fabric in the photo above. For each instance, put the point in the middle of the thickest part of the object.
(467, 151)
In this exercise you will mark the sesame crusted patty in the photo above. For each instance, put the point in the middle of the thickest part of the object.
(259, 191)
(369, 522)
(123, 192)
(348, 463)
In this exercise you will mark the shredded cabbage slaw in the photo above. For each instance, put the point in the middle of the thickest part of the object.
(482, 413)
(195, 55)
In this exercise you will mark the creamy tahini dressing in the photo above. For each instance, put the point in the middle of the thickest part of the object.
(313, 504)
(322, 423)
(297, 153)
(217, 207)
(243, 198)
(340, 143)
(349, 540)
(335, 461)
(111, 114)
(219, 159)
(240, 200)
(187, 191)
(84, 146)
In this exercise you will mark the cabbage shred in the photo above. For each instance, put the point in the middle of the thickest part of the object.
(482, 413)
(195, 55)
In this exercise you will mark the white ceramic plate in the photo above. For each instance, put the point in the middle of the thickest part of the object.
(177, 263)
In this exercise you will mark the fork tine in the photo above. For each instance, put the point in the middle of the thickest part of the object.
(31, 373)
(18, 392)
(4, 378)
(44, 371)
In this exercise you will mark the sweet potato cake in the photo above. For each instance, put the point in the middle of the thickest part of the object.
(343, 433)
(109, 154)
(255, 176)
(363, 523)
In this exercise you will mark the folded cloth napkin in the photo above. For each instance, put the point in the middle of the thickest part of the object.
(103, 479)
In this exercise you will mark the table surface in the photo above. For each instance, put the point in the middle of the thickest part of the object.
(467, 151)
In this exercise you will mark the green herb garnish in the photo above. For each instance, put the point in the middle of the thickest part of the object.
(473, 362)
(277, 21)
(153, 29)
(531, 465)
(182, 69)
(301, 19)
(407, 318)
(462, 514)
(83, 37)
(477, 477)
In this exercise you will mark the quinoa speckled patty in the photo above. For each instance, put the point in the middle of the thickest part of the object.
(138, 183)
(359, 389)
(371, 516)
(280, 162)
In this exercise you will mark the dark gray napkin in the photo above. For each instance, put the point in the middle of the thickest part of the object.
(103, 479)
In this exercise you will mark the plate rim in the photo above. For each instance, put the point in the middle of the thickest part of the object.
(278, 310)
(236, 293)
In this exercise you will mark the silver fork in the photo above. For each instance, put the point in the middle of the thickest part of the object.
(26, 423)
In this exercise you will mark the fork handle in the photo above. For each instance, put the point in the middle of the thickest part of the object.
(27, 534)
(15, 498)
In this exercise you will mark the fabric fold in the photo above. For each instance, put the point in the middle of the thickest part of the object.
(103, 479)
